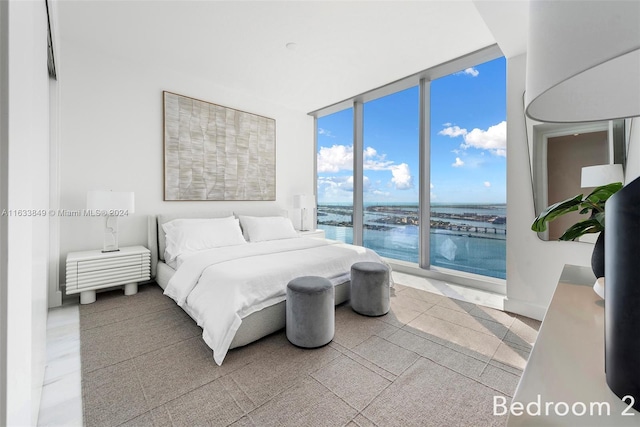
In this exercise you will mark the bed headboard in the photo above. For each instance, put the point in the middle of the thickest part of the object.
(155, 234)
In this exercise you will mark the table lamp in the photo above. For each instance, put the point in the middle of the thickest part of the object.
(110, 204)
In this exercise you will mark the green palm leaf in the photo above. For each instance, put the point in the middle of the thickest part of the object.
(593, 205)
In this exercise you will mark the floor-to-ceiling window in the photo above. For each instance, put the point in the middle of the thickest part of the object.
(457, 189)
(335, 175)
(390, 183)
(468, 140)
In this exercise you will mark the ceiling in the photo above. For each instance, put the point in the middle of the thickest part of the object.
(343, 48)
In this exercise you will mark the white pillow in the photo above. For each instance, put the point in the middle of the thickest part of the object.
(185, 236)
(260, 229)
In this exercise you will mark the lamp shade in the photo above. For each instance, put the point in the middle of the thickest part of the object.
(583, 60)
(595, 176)
(303, 201)
(101, 200)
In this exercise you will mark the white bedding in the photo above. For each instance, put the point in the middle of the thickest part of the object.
(220, 286)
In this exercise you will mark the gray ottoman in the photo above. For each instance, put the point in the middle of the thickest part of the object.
(370, 288)
(310, 311)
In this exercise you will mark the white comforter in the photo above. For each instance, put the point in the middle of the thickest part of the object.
(222, 286)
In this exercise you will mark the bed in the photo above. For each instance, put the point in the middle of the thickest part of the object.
(229, 270)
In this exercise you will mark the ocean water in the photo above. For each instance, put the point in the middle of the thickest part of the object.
(476, 246)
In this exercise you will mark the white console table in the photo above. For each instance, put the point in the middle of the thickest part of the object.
(567, 362)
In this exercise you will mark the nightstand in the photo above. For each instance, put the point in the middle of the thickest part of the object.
(312, 233)
(91, 270)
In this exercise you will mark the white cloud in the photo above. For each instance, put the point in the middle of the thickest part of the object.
(471, 72)
(335, 183)
(325, 132)
(493, 139)
(453, 131)
(340, 157)
(381, 193)
(370, 152)
(402, 177)
(487, 184)
(375, 162)
(335, 158)
(458, 163)
(431, 185)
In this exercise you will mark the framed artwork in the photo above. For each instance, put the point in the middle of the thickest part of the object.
(213, 152)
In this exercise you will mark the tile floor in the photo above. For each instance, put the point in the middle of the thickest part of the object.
(432, 360)
(61, 402)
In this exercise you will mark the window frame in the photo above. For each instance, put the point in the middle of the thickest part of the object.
(423, 81)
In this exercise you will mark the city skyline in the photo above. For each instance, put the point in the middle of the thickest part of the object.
(468, 143)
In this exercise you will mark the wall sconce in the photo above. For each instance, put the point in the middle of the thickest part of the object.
(110, 204)
(304, 203)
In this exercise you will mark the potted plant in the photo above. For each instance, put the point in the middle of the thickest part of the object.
(593, 205)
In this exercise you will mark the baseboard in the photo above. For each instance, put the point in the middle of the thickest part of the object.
(525, 308)
(55, 299)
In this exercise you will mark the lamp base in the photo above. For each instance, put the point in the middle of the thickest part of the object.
(598, 287)
(111, 235)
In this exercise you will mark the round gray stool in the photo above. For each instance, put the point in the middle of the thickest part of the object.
(310, 311)
(370, 288)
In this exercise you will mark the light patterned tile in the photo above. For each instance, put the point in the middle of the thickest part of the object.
(499, 379)
(512, 355)
(307, 403)
(474, 343)
(440, 354)
(172, 371)
(492, 314)
(210, 404)
(409, 300)
(387, 355)
(430, 394)
(364, 362)
(467, 320)
(362, 421)
(353, 328)
(351, 381)
(523, 331)
(266, 377)
(113, 395)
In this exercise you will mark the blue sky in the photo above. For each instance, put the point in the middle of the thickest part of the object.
(468, 143)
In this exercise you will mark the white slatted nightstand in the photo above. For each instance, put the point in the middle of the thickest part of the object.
(91, 270)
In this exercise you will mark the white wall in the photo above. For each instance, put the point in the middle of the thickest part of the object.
(4, 197)
(533, 266)
(111, 137)
(632, 170)
(27, 188)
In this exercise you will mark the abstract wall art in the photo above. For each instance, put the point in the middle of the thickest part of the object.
(213, 152)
